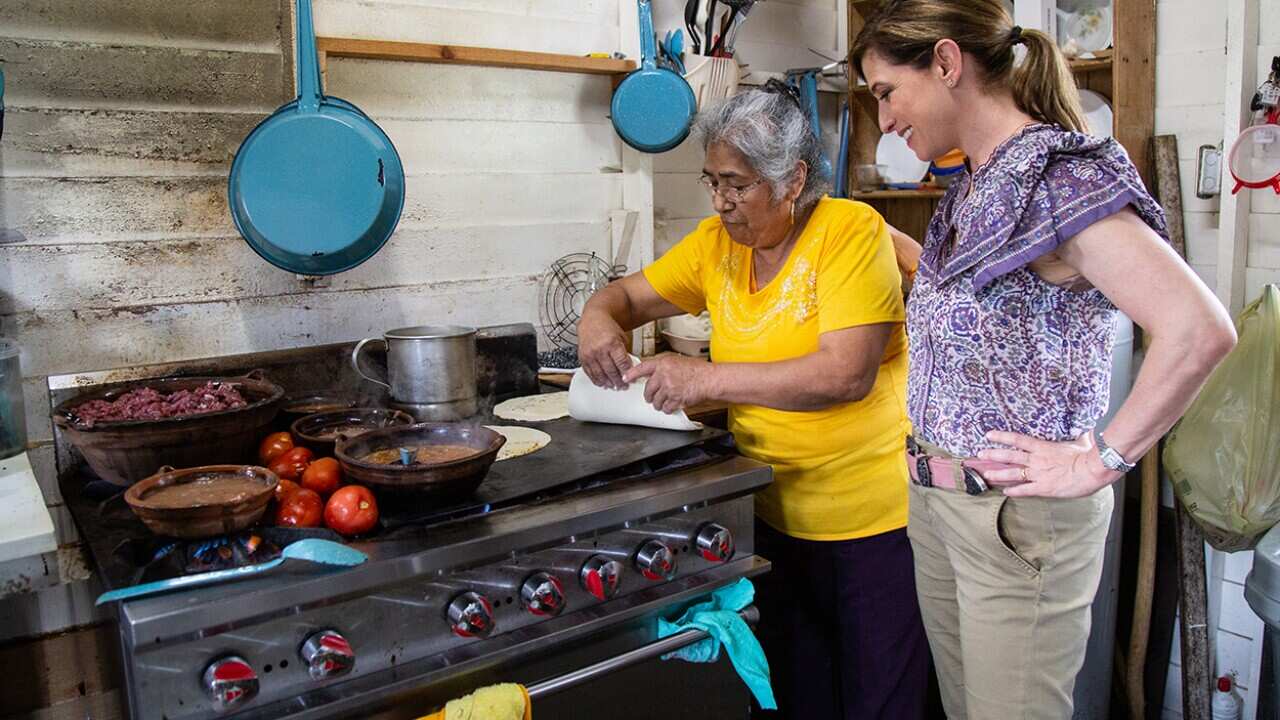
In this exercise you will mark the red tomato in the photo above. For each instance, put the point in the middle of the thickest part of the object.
(273, 446)
(323, 475)
(285, 489)
(301, 508)
(351, 511)
(292, 463)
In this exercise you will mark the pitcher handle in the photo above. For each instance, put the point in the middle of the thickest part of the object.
(355, 361)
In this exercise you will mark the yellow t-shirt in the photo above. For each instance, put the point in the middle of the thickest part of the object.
(838, 472)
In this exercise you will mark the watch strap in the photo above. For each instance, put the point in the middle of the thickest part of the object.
(1112, 457)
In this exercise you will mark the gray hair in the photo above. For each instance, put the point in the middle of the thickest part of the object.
(774, 134)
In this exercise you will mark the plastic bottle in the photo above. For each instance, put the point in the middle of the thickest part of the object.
(1226, 706)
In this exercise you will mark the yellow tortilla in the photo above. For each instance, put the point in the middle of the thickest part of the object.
(534, 408)
(520, 440)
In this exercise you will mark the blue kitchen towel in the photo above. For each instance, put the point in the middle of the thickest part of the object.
(718, 616)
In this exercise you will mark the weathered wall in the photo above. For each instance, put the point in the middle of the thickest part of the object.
(115, 243)
(123, 118)
(1191, 69)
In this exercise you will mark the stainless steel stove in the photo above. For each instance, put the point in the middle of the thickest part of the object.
(556, 585)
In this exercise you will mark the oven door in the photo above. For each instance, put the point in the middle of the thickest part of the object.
(600, 663)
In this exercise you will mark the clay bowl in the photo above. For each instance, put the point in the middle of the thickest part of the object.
(123, 452)
(453, 479)
(320, 431)
(204, 501)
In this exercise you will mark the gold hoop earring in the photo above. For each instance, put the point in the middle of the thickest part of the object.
(793, 212)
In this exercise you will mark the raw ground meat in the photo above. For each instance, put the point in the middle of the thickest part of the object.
(149, 404)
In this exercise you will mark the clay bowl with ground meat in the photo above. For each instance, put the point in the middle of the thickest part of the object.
(321, 431)
(448, 461)
(124, 451)
(201, 502)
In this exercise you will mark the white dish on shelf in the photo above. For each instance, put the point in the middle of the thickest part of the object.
(1087, 30)
(1097, 113)
(900, 161)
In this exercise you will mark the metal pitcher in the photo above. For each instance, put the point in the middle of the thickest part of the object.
(431, 370)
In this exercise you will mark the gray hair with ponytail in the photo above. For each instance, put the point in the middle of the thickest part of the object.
(772, 131)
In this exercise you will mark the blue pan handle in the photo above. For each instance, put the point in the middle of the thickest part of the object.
(648, 51)
(308, 62)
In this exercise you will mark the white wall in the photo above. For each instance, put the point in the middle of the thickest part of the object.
(123, 118)
(1191, 69)
(1263, 263)
(116, 248)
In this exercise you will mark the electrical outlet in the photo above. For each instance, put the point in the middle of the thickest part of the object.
(1209, 171)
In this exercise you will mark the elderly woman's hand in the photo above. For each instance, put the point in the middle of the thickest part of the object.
(602, 350)
(1069, 469)
(674, 381)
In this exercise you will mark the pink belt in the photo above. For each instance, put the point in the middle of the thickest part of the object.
(965, 475)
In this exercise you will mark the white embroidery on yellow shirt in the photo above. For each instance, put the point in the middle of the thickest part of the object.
(796, 295)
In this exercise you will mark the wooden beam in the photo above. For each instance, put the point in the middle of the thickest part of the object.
(1164, 157)
(42, 672)
(1233, 219)
(463, 55)
(1192, 593)
(1134, 79)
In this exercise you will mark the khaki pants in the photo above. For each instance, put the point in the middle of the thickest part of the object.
(1005, 589)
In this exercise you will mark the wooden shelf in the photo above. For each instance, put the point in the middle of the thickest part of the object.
(463, 55)
(1079, 65)
(922, 194)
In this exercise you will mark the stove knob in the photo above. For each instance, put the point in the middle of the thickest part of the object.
(714, 542)
(470, 615)
(327, 654)
(230, 681)
(601, 576)
(542, 594)
(656, 561)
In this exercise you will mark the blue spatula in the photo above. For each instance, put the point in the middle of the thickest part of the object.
(316, 550)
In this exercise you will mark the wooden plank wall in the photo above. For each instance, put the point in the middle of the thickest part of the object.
(117, 249)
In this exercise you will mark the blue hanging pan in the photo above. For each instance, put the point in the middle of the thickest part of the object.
(653, 107)
(317, 188)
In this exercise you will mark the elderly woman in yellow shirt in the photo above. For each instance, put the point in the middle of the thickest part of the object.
(809, 351)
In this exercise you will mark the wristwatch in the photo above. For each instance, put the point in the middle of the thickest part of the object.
(1112, 458)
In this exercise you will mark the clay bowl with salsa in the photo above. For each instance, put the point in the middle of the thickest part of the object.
(447, 460)
(202, 501)
(321, 431)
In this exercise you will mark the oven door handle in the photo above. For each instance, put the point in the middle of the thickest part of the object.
(631, 657)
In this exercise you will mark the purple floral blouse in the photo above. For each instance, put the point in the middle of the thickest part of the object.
(992, 345)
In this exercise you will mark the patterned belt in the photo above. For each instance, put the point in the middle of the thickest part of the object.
(931, 466)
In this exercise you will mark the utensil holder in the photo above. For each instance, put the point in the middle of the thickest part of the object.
(712, 78)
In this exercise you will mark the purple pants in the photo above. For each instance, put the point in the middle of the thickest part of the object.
(841, 628)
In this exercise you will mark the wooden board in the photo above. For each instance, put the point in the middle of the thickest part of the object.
(463, 55)
(43, 672)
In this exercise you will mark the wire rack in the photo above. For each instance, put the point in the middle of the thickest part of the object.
(566, 287)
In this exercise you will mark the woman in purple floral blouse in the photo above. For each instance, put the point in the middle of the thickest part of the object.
(1011, 322)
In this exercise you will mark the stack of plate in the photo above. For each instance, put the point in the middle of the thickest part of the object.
(902, 169)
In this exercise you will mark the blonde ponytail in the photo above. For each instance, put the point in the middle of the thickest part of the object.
(1043, 86)
(906, 31)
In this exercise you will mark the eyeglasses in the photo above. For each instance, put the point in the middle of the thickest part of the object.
(728, 192)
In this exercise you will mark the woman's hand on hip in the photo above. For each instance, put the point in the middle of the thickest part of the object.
(1068, 469)
(674, 381)
(602, 350)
